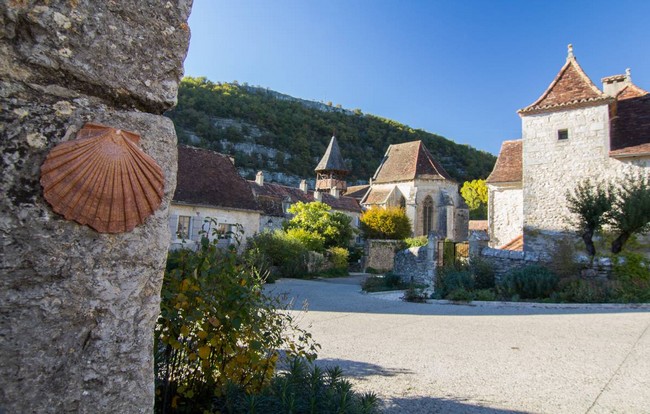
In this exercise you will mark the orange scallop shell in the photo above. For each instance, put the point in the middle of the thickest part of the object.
(102, 179)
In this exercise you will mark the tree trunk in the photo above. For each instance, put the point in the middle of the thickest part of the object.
(617, 244)
(587, 237)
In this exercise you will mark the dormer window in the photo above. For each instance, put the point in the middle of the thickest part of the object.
(562, 134)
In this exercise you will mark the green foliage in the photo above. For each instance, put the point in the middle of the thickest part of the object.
(301, 389)
(390, 223)
(414, 294)
(632, 278)
(309, 239)
(475, 194)
(631, 210)
(451, 278)
(277, 250)
(460, 295)
(485, 295)
(338, 257)
(590, 205)
(416, 241)
(216, 327)
(530, 282)
(483, 272)
(388, 282)
(304, 132)
(578, 290)
(334, 227)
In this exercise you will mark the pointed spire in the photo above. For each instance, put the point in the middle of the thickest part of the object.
(570, 52)
(332, 160)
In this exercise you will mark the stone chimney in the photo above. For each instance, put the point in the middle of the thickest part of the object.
(303, 186)
(259, 178)
(318, 196)
(335, 192)
(612, 85)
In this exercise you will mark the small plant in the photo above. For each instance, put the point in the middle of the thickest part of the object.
(632, 278)
(487, 295)
(577, 290)
(460, 295)
(483, 271)
(530, 282)
(451, 278)
(414, 294)
(416, 241)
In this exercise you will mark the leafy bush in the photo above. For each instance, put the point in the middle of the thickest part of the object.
(483, 272)
(416, 241)
(310, 240)
(460, 295)
(389, 223)
(217, 327)
(334, 227)
(530, 282)
(450, 278)
(301, 389)
(390, 281)
(632, 278)
(414, 294)
(338, 257)
(577, 290)
(277, 249)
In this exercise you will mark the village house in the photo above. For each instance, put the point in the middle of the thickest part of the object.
(209, 187)
(409, 177)
(572, 132)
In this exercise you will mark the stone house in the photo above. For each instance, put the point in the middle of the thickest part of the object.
(409, 177)
(209, 187)
(573, 131)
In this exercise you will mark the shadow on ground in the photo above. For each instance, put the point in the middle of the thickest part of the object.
(360, 369)
(431, 405)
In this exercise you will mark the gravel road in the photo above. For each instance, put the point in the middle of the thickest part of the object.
(497, 358)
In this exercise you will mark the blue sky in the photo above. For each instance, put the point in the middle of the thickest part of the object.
(460, 69)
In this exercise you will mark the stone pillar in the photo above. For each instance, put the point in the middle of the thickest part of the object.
(78, 308)
(478, 240)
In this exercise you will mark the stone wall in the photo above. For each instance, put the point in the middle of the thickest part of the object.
(78, 307)
(379, 254)
(417, 264)
(506, 213)
(504, 261)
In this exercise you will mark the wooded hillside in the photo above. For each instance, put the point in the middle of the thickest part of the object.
(266, 130)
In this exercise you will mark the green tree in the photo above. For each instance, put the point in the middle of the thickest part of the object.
(591, 205)
(631, 210)
(475, 194)
(316, 217)
(389, 223)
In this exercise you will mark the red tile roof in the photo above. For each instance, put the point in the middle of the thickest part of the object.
(516, 244)
(357, 191)
(570, 88)
(210, 179)
(376, 196)
(630, 127)
(407, 161)
(508, 167)
(270, 197)
(630, 91)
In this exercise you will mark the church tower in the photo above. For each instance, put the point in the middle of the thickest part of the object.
(331, 170)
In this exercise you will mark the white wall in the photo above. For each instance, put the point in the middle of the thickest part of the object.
(505, 213)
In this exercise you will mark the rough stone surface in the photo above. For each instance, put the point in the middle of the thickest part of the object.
(130, 52)
(379, 254)
(417, 264)
(505, 209)
(78, 308)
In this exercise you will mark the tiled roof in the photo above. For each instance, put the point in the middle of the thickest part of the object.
(357, 191)
(508, 166)
(376, 196)
(332, 160)
(515, 244)
(407, 161)
(478, 225)
(270, 197)
(630, 127)
(208, 178)
(630, 91)
(570, 88)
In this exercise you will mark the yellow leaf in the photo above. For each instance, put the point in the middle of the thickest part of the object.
(185, 330)
(204, 352)
(202, 334)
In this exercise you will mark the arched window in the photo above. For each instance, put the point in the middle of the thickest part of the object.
(427, 216)
(402, 202)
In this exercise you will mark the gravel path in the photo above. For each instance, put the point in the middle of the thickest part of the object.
(498, 358)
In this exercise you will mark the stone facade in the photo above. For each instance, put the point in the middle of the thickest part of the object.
(507, 218)
(79, 307)
(417, 264)
(380, 254)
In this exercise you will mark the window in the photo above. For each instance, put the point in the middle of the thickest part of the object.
(427, 216)
(562, 134)
(402, 202)
(183, 229)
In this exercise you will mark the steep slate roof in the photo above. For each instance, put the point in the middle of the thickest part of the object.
(570, 88)
(332, 160)
(407, 161)
(630, 128)
(376, 195)
(270, 197)
(208, 178)
(508, 167)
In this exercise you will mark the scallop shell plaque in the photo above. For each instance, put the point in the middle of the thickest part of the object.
(102, 179)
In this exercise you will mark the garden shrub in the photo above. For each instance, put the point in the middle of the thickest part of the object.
(390, 281)
(388, 223)
(414, 294)
(577, 290)
(632, 278)
(451, 278)
(483, 272)
(277, 249)
(485, 295)
(460, 295)
(416, 241)
(217, 327)
(338, 257)
(530, 282)
(310, 240)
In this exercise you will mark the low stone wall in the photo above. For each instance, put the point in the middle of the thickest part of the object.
(416, 265)
(380, 254)
(507, 260)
